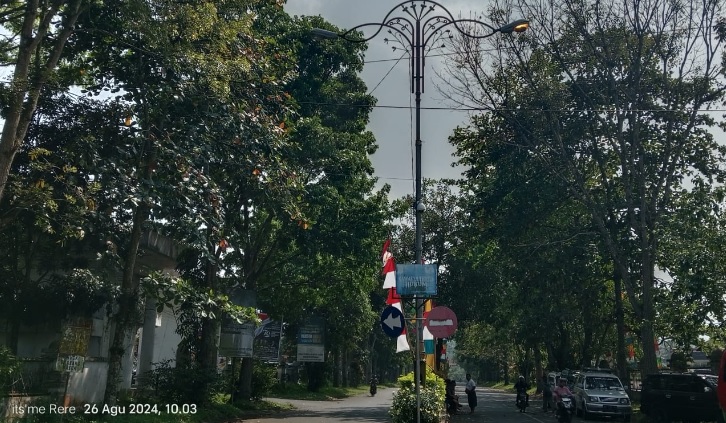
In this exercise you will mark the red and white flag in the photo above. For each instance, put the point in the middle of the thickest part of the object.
(389, 271)
(389, 267)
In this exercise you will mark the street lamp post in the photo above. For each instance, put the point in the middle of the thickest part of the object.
(420, 26)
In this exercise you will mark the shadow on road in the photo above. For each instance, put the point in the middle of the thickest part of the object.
(366, 414)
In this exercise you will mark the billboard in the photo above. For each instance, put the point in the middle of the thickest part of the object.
(267, 341)
(311, 341)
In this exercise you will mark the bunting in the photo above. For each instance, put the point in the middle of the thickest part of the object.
(389, 272)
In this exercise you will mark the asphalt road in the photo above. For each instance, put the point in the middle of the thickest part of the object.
(493, 407)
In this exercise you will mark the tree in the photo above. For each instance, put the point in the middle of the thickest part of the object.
(618, 116)
(41, 30)
(196, 89)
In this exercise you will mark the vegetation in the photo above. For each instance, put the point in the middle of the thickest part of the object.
(589, 223)
(594, 142)
(432, 395)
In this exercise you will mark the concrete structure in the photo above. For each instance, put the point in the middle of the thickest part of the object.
(53, 372)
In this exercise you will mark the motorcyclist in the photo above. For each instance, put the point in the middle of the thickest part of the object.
(521, 388)
(562, 390)
(374, 385)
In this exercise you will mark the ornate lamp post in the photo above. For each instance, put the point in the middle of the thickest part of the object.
(419, 26)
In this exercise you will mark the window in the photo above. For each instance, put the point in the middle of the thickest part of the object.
(602, 383)
(681, 384)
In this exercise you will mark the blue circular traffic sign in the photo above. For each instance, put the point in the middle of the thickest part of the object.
(392, 321)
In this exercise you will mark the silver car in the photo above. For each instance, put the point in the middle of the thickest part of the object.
(601, 394)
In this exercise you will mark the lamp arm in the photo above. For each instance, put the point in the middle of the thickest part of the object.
(380, 26)
(456, 23)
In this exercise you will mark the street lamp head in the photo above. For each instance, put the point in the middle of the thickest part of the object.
(520, 25)
(324, 33)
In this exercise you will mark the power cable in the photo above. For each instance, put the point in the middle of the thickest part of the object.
(387, 73)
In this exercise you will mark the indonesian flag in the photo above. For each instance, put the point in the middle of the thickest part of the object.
(389, 267)
(389, 270)
(402, 340)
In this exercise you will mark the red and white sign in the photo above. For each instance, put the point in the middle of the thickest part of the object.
(441, 322)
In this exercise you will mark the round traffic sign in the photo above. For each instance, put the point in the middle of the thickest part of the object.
(441, 322)
(392, 321)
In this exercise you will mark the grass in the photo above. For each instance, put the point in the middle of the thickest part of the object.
(300, 392)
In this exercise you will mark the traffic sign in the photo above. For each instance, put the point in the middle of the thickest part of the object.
(392, 321)
(441, 322)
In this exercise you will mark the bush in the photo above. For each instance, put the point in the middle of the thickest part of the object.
(264, 378)
(433, 381)
(433, 392)
(180, 385)
(403, 409)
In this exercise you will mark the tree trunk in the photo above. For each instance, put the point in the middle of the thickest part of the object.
(338, 368)
(586, 350)
(208, 352)
(538, 370)
(622, 366)
(126, 318)
(649, 363)
(244, 383)
(345, 368)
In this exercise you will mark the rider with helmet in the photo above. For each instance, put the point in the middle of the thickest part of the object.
(521, 388)
(562, 390)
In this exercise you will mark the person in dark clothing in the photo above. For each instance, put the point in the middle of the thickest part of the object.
(546, 394)
(521, 388)
(452, 400)
(470, 392)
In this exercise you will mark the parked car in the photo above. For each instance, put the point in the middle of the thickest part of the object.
(601, 394)
(681, 396)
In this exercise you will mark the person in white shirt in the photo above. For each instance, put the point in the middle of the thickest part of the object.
(470, 392)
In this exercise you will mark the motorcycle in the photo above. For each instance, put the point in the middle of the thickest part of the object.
(522, 401)
(374, 388)
(565, 410)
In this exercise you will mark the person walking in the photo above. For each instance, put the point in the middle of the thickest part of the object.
(470, 392)
(546, 394)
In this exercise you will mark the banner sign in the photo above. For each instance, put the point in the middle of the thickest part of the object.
(236, 339)
(267, 341)
(416, 280)
(311, 341)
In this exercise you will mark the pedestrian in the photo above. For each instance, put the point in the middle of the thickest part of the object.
(451, 399)
(546, 394)
(470, 392)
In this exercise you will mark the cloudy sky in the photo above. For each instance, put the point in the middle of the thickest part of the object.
(394, 128)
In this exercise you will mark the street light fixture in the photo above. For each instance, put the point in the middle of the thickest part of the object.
(419, 26)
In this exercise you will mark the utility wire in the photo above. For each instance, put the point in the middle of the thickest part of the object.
(484, 109)
(387, 73)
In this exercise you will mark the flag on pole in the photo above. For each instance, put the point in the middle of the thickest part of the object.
(389, 267)
(389, 271)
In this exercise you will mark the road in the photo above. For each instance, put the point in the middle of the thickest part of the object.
(494, 406)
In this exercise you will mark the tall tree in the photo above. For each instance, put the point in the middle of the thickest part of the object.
(196, 90)
(611, 96)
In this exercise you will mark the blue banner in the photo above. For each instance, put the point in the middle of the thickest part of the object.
(416, 280)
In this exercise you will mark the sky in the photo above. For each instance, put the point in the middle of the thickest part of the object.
(394, 128)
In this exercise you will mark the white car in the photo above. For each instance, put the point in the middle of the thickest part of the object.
(601, 394)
